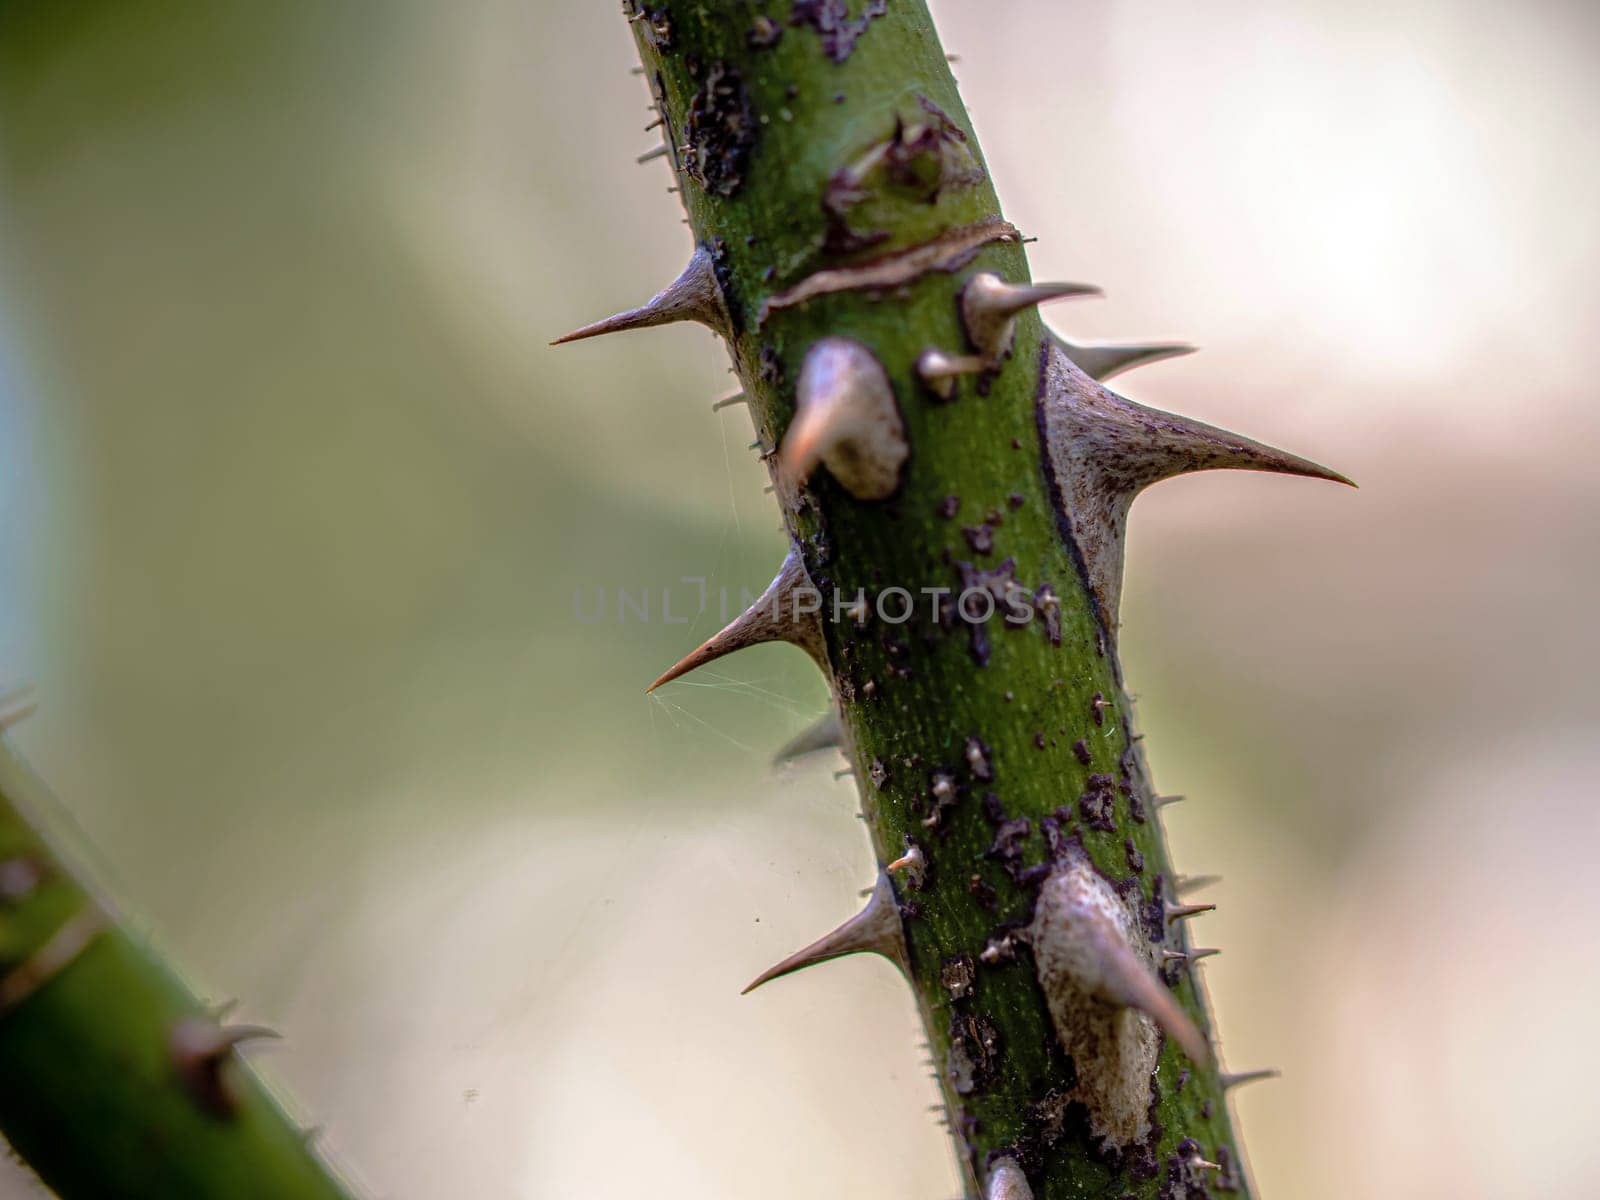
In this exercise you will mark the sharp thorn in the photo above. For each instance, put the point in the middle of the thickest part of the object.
(1103, 361)
(1102, 450)
(1080, 946)
(1208, 952)
(912, 861)
(1187, 884)
(941, 372)
(876, 929)
(1200, 1163)
(653, 154)
(989, 306)
(1239, 1078)
(827, 733)
(788, 611)
(198, 1048)
(729, 401)
(1163, 801)
(694, 296)
(845, 418)
(1182, 912)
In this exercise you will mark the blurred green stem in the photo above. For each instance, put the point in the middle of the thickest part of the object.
(115, 1081)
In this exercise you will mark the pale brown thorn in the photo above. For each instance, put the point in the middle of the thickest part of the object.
(1182, 912)
(776, 616)
(1103, 361)
(694, 296)
(876, 929)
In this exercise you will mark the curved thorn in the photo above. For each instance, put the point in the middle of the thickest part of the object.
(846, 418)
(827, 733)
(912, 860)
(876, 929)
(788, 611)
(989, 306)
(1081, 944)
(198, 1048)
(1207, 952)
(694, 295)
(1106, 360)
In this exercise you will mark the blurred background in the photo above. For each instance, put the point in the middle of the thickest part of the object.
(295, 501)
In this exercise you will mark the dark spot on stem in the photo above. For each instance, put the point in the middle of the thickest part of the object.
(834, 26)
(721, 131)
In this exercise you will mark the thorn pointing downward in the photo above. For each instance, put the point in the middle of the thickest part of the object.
(989, 307)
(1083, 944)
(876, 929)
(693, 296)
(199, 1048)
(1106, 360)
(845, 418)
(786, 612)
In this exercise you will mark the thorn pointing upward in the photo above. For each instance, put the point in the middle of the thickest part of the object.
(876, 929)
(693, 296)
(786, 612)
(1182, 912)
